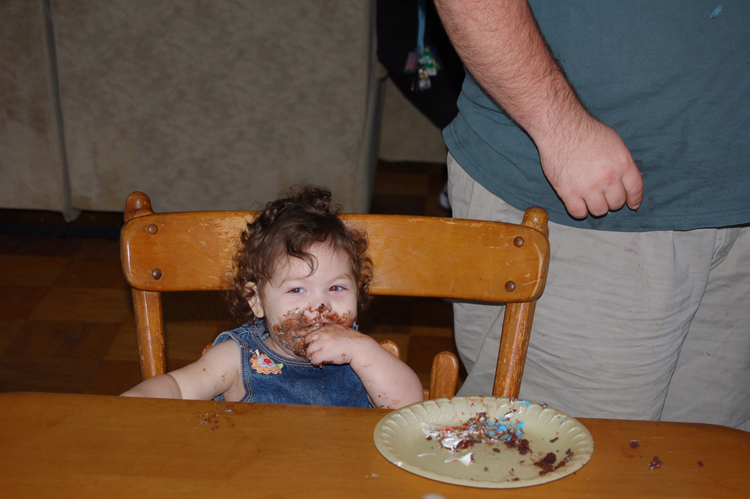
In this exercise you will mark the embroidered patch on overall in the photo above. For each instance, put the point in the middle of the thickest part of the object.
(264, 365)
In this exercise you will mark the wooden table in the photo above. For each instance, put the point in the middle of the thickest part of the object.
(65, 445)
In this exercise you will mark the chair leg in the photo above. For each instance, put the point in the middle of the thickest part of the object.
(150, 333)
(444, 376)
(513, 347)
(392, 347)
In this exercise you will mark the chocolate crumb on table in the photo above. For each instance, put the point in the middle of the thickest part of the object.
(634, 444)
(655, 463)
(700, 463)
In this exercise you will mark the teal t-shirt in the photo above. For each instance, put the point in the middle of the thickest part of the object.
(671, 77)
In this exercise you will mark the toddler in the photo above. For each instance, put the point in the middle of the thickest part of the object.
(301, 277)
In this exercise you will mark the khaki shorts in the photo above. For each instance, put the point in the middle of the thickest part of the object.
(632, 325)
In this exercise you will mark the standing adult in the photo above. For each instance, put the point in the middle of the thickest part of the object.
(639, 151)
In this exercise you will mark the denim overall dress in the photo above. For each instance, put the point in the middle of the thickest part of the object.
(273, 378)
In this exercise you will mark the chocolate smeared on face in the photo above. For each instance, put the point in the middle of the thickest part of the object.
(297, 323)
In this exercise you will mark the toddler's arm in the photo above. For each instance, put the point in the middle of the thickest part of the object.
(215, 373)
(162, 386)
(389, 382)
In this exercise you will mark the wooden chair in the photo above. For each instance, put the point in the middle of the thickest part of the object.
(413, 256)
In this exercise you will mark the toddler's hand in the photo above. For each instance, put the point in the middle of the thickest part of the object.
(334, 344)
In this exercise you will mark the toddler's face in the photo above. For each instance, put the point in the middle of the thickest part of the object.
(296, 303)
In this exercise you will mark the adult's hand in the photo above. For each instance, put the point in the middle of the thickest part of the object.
(591, 169)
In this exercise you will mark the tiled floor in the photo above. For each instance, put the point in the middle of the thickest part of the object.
(66, 318)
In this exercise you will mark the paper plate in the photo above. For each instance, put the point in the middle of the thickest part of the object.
(402, 437)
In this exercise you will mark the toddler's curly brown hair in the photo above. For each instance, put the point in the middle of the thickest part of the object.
(287, 228)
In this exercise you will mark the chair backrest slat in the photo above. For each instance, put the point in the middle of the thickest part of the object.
(413, 256)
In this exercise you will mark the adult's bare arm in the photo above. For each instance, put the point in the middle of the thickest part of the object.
(586, 161)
